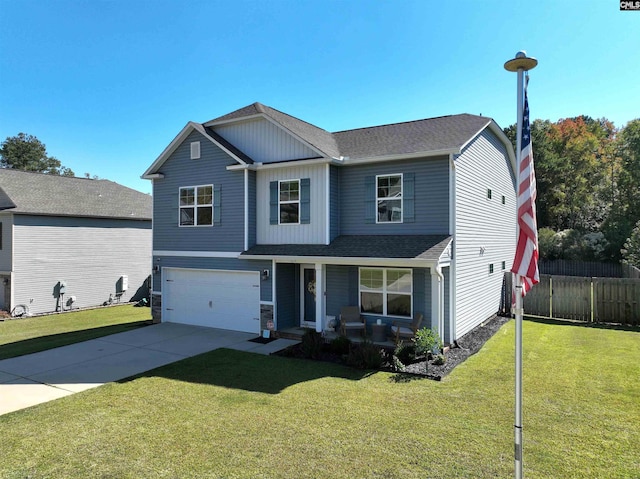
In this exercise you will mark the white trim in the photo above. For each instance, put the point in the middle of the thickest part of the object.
(154, 176)
(388, 198)
(327, 239)
(407, 156)
(385, 292)
(199, 254)
(290, 202)
(194, 206)
(157, 293)
(268, 303)
(282, 164)
(352, 261)
(246, 210)
(240, 119)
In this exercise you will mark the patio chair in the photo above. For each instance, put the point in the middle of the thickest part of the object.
(402, 330)
(350, 319)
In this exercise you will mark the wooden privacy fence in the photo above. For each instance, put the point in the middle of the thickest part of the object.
(598, 300)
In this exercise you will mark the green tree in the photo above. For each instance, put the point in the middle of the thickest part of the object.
(631, 250)
(27, 153)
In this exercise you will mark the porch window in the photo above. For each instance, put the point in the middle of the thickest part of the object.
(389, 198)
(289, 202)
(196, 205)
(387, 292)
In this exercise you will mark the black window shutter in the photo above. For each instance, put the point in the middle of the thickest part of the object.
(369, 199)
(408, 197)
(217, 204)
(305, 201)
(273, 203)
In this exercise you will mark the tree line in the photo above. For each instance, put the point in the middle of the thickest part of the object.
(588, 185)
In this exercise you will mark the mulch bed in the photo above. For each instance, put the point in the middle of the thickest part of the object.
(464, 347)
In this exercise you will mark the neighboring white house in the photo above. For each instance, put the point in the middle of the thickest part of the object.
(68, 243)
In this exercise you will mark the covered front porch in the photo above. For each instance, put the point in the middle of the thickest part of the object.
(311, 290)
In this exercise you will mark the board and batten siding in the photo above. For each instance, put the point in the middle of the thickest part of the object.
(89, 254)
(226, 264)
(210, 169)
(485, 229)
(312, 233)
(334, 202)
(264, 142)
(252, 208)
(431, 197)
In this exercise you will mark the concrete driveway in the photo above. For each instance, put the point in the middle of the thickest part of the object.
(41, 377)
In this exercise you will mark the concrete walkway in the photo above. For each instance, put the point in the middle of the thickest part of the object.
(41, 377)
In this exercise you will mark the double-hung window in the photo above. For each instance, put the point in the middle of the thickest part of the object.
(196, 205)
(389, 198)
(386, 291)
(289, 202)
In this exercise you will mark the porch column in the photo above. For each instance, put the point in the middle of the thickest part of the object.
(437, 298)
(320, 299)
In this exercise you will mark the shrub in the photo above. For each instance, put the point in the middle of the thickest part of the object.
(439, 360)
(340, 345)
(365, 355)
(312, 344)
(426, 340)
(405, 353)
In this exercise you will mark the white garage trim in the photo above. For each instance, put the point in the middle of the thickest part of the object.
(225, 299)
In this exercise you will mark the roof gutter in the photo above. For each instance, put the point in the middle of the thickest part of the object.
(345, 260)
(408, 156)
(284, 164)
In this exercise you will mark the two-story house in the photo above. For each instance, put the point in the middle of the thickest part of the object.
(260, 216)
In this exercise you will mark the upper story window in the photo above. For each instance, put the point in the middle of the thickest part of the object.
(289, 202)
(389, 198)
(196, 205)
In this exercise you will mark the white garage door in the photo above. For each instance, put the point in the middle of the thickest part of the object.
(217, 299)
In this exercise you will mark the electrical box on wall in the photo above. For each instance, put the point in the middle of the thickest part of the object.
(123, 284)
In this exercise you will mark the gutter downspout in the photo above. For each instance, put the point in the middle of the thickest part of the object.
(437, 299)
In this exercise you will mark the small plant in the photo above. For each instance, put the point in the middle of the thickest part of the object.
(426, 341)
(312, 344)
(365, 355)
(439, 360)
(405, 353)
(340, 345)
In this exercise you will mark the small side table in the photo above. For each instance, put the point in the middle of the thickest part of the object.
(378, 332)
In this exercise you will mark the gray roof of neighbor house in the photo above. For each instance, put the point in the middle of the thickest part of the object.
(421, 136)
(41, 194)
(427, 247)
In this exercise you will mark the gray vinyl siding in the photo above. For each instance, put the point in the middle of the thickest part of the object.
(5, 251)
(334, 202)
(181, 171)
(287, 294)
(312, 233)
(342, 288)
(252, 208)
(482, 223)
(264, 142)
(90, 255)
(229, 264)
(431, 197)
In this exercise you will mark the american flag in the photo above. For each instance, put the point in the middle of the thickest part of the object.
(525, 262)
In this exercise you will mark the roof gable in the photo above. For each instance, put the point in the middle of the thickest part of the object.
(41, 194)
(209, 134)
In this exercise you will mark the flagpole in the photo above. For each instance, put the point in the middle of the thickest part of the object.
(520, 64)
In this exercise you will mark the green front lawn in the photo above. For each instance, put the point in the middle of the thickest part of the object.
(229, 414)
(30, 335)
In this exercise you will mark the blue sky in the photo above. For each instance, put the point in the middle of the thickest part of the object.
(107, 85)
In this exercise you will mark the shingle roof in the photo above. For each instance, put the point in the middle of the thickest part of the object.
(40, 194)
(321, 139)
(426, 247)
(433, 134)
(428, 135)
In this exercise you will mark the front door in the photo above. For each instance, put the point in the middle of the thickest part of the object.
(308, 297)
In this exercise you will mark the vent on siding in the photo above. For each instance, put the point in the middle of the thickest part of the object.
(195, 150)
